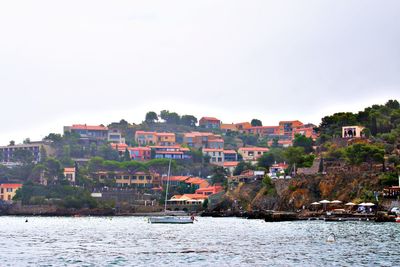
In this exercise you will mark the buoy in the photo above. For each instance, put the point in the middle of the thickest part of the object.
(331, 238)
(26, 220)
(398, 219)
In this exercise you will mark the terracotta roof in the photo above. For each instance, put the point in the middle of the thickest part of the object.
(165, 134)
(254, 149)
(88, 127)
(194, 196)
(176, 178)
(213, 150)
(144, 132)
(229, 151)
(11, 185)
(195, 180)
(216, 140)
(170, 152)
(210, 119)
(139, 148)
(69, 169)
(231, 163)
(175, 147)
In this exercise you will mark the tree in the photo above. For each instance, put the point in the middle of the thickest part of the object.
(293, 155)
(256, 122)
(266, 160)
(189, 120)
(218, 175)
(53, 137)
(127, 155)
(151, 117)
(359, 153)
(170, 117)
(242, 166)
(27, 140)
(12, 143)
(304, 142)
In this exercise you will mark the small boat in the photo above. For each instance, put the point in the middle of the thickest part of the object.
(171, 219)
(168, 218)
(398, 219)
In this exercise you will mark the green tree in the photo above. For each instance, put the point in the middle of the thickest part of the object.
(189, 120)
(360, 153)
(127, 155)
(218, 175)
(294, 155)
(304, 142)
(266, 160)
(256, 122)
(243, 166)
(151, 117)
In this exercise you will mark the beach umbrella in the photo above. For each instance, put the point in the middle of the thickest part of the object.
(324, 201)
(349, 204)
(315, 203)
(336, 202)
(362, 204)
(369, 204)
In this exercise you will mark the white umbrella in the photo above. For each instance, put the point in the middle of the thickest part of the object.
(369, 204)
(336, 202)
(315, 203)
(324, 201)
(349, 204)
(362, 204)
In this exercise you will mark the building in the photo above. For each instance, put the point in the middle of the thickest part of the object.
(203, 140)
(216, 155)
(277, 170)
(170, 152)
(143, 138)
(264, 131)
(252, 153)
(165, 139)
(352, 131)
(281, 142)
(197, 183)
(175, 180)
(7, 191)
(306, 130)
(235, 127)
(70, 174)
(121, 148)
(230, 166)
(187, 199)
(210, 190)
(88, 132)
(115, 136)
(230, 155)
(147, 180)
(36, 148)
(210, 123)
(140, 153)
(286, 127)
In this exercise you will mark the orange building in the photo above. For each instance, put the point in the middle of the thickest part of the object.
(286, 127)
(70, 174)
(7, 191)
(210, 190)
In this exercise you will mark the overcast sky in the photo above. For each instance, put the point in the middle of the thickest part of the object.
(65, 62)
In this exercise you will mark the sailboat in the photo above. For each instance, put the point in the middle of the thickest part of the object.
(170, 219)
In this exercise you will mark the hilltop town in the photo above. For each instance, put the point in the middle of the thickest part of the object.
(121, 168)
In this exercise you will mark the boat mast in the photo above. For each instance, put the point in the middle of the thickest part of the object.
(166, 191)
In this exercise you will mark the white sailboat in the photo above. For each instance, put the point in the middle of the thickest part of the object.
(166, 218)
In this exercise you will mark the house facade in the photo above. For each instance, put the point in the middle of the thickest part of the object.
(88, 132)
(252, 153)
(8, 191)
(210, 123)
(36, 148)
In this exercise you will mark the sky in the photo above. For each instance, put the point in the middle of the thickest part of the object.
(95, 62)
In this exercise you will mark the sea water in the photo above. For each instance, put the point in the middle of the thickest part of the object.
(132, 241)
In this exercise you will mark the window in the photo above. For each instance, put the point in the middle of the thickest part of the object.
(9, 190)
(141, 177)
